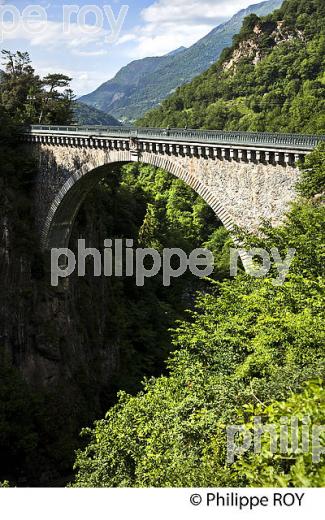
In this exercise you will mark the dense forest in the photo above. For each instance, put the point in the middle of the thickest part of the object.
(235, 348)
(271, 79)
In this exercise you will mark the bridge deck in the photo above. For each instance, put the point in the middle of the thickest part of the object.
(212, 137)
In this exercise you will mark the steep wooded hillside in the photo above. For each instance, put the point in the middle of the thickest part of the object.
(271, 79)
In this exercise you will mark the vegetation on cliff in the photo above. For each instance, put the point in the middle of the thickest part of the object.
(38, 427)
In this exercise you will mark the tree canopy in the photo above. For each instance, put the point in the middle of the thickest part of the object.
(28, 99)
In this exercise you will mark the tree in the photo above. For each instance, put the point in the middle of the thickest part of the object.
(57, 106)
(20, 88)
(149, 229)
(312, 182)
(29, 99)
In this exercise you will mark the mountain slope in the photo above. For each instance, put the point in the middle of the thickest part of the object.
(116, 95)
(143, 84)
(271, 79)
(86, 115)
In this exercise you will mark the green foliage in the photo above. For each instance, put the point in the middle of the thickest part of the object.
(39, 430)
(29, 99)
(248, 342)
(155, 210)
(300, 466)
(249, 23)
(312, 181)
(150, 229)
(181, 218)
(279, 87)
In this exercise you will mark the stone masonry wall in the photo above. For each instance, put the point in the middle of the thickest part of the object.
(241, 193)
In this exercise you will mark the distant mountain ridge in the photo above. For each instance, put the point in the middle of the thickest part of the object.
(87, 115)
(176, 51)
(143, 84)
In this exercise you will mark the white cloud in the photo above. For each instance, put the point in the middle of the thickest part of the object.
(84, 82)
(78, 43)
(151, 42)
(165, 25)
(169, 24)
(52, 34)
(101, 52)
(192, 11)
(126, 38)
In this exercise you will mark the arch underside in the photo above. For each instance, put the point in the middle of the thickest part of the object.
(64, 209)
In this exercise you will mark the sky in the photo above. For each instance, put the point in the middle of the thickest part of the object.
(91, 40)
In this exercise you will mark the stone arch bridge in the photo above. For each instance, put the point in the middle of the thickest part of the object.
(244, 177)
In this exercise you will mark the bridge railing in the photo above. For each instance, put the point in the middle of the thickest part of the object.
(276, 140)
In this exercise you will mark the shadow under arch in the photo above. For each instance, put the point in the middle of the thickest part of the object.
(64, 209)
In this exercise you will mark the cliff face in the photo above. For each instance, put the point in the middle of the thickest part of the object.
(258, 46)
(74, 346)
(59, 354)
(51, 334)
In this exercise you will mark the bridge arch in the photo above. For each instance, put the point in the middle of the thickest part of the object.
(63, 210)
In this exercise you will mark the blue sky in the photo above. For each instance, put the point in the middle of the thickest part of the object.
(93, 40)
